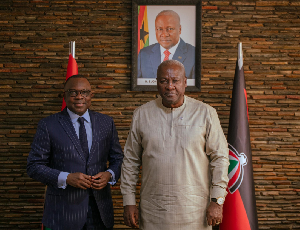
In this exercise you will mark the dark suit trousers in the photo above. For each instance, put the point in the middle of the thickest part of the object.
(94, 221)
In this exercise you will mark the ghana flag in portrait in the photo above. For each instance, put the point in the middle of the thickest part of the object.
(143, 31)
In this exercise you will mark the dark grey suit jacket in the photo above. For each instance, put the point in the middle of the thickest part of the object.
(150, 58)
(56, 148)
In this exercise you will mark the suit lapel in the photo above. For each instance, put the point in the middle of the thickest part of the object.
(180, 53)
(155, 58)
(67, 125)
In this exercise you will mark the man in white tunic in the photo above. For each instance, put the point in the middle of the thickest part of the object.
(180, 145)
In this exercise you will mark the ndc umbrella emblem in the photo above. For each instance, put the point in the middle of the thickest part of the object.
(236, 168)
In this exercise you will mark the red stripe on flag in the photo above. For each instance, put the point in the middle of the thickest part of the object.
(233, 155)
(140, 22)
(72, 69)
(141, 16)
(234, 213)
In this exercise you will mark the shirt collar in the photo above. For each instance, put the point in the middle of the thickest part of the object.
(74, 117)
(172, 50)
(170, 109)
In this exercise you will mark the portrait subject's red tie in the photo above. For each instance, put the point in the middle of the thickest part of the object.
(167, 54)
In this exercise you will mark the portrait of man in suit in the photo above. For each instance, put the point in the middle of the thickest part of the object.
(77, 154)
(169, 46)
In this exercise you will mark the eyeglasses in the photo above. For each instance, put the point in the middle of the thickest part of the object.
(74, 93)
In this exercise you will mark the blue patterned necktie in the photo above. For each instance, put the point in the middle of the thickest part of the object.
(83, 138)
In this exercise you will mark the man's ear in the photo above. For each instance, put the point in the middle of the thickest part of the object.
(185, 81)
(180, 29)
(92, 95)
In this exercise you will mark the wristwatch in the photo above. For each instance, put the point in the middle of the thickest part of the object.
(219, 200)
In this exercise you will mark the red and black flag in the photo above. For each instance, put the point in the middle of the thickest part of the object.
(239, 211)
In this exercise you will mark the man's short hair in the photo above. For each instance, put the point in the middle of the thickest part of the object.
(170, 63)
(75, 76)
(169, 12)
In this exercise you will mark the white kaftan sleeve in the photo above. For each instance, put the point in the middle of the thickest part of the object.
(217, 150)
(131, 162)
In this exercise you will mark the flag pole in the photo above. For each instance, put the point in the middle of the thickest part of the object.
(72, 48)
(240, 55)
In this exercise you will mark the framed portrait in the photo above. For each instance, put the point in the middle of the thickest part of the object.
(165, 30)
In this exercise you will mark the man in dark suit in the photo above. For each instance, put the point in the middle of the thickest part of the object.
(169, 46)
(69, 154)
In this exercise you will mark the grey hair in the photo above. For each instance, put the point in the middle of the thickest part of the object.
(170, 63)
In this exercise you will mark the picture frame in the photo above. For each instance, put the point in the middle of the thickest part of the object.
(143, 76)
